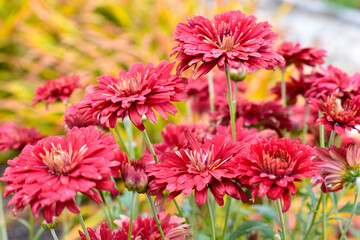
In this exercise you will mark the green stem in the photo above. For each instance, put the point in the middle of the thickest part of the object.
(283, 87)
(332, 137)
(121, 139)
(321, 132)
(282, 221)
(193, 215)
(213, 233)
(107, 207)
(227, 213)
(324, 200)
(81, 220)
(155, 216)
(53, 233)
(231, 103)
(307, 234)
(357, 186)
(31, 225)
(305, 129)
(132, 214)
(334, 205)
(211, 92)
(129, 133)
(148, 143)
(2, 218)
(178, 208)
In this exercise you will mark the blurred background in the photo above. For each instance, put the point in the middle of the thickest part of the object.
(44, 39)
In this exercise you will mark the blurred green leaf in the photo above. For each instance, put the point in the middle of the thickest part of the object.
(250, 226)
(348, 208)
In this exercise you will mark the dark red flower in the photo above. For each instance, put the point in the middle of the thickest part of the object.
(332, 81)
(272, 166)
(58, 89)
(132, 172)
(231, 37)
(143, 228)
(136, 93)
(197, 169)
(339, 167)
(339, 114)
(49, 174)
(13, 137)
(293, 53)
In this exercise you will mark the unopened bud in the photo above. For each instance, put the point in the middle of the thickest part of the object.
(52, 225)
(237, 75)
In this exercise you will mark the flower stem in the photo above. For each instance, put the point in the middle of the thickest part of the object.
(178, 208)
(155, 216)
(107, 207)
(227, 213)
(332, 137)
(282, 220)
(2, 219)
(213, 233)
(324, 200)
(31, 226)
(283, 87)
(307, 234)
(121, 139)
(132, 214)
(321, 132)
(211, 92)
(148, 143)
(334, 205)
(305, 129)
(81, 220)
(357, 186)
(231, 103)
(129, 133)
(53, 233)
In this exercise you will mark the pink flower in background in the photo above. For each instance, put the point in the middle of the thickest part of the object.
(58, 89)
(16, 138)
(143, 228)
(272, 166)
(339, 166)
(140, 91)
(339, 114)
(49, 174)
(198, 169)
(293, 53)
(230, 38)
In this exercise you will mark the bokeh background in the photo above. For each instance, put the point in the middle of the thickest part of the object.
(44, 39)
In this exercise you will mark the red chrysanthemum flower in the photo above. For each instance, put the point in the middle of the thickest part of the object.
(339, 114)
(136, 93)
(57, 89)
(13, 137)
(197, 169)
(132, 172)
(332, 81)
(293, 53)
(231, 37)
(339, 166)
(143, 228)
(49, 174)
(272, 166)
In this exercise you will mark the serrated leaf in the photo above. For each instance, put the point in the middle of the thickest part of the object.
(348, 208)
(252, 225)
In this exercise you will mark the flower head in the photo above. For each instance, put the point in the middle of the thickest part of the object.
(339, 166)
(197, 169)
(13, 137)
(58, 89)
(230, 38)
(338, 114)
(293, 53)
(135, 93)
(272, 166)
(143, 228)
(49, 174)
(133, 172)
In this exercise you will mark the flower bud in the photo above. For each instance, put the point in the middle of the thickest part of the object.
(52, 225)
(237, 75)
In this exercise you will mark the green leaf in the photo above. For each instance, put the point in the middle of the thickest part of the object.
(252, 225)
(348, 208)
(24, 222)
(312, 196)
(266, 211)
(281, 234)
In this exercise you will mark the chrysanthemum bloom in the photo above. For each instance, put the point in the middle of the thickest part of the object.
(197, 169)
(16, 138)
(340, 166)
(231, 37)
(339, 115)
(132, 172)
(49, 174)
(136, 93)
(332, 80)
(143, 228)
(272, 166)
(293, 53)
(57, 89)
(76, 116)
